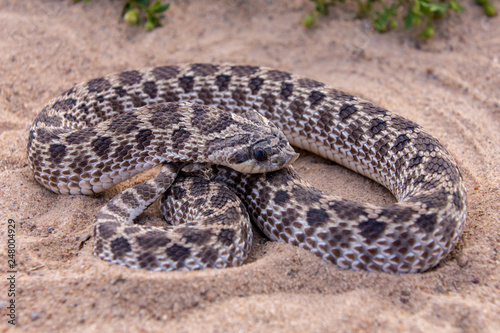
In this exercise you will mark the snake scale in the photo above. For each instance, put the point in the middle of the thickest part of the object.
(103, 131)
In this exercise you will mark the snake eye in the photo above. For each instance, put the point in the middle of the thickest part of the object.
(260, 155)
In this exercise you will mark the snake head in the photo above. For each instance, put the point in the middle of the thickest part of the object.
(263, 154)
(247, 142)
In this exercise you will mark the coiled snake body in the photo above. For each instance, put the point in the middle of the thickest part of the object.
(92, 137)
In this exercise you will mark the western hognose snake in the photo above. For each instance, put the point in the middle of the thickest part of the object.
(102, 132)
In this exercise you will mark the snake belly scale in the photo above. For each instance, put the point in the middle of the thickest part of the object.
(412, 235)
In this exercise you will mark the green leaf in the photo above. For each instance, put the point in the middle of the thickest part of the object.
(489, 9)
(308, 21)
(393, 24)
(157, 7)
(434, 8)
(416, 8)
(456, 6)
(153, 18)
(428, 32)
(162, 8)
(409, 19)
(131, 16)
(149, 26)
(380, 23)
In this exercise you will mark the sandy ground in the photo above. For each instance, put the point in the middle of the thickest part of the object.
(450, 85)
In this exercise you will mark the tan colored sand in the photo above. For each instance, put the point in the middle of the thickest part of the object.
(450, 85)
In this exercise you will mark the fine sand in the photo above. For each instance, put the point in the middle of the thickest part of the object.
(449, 85)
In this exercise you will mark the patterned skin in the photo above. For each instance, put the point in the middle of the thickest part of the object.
(412, 235)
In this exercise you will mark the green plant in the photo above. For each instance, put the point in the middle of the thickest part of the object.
(488, 7)
(132, 9)
(384, 13)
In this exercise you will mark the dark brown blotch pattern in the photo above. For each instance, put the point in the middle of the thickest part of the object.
(244, 70)
(396, 214)
(403, 124)
(276, 75)
(208, 255)
(298, 106)
(44, 135)
(165, 72)
(186, 83)
(226, 236)
(439, 165)
(48, 120)
(437, 199)
(286, 90)
(414, 162)
(150, 89)
(315, 98)
(427, 222)
(124, 124)
(117, 209)
(347, 209)
(195, 236)
(146, 191)
(206, 96)
(346, 111)
(164, 115)
(239, 96)
(152, 239)
(179, 138)
(98, 85)
(106, 229)
(204, 120)
(425, 142)
(400, 143)
(289, 216)
(255, 84)
(130, 78)
(120, 91)
(130, 200)
(306, 195)
(57, 153)
(222, 82)
(64, 105)
(101, 146)
(381, 147)
(120, 247)
(204, 69)
(281, 197)
(373, 110)
(147, 260)
(199, 187)
(143, 139)
(316, 217)
(372, 229)
(80, 136)
(309, 83)
(222, 197)
(377, 126)
(178, 253)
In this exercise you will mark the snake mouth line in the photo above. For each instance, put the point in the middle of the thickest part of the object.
(282, 162)
(293, 158)
(277, 164)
